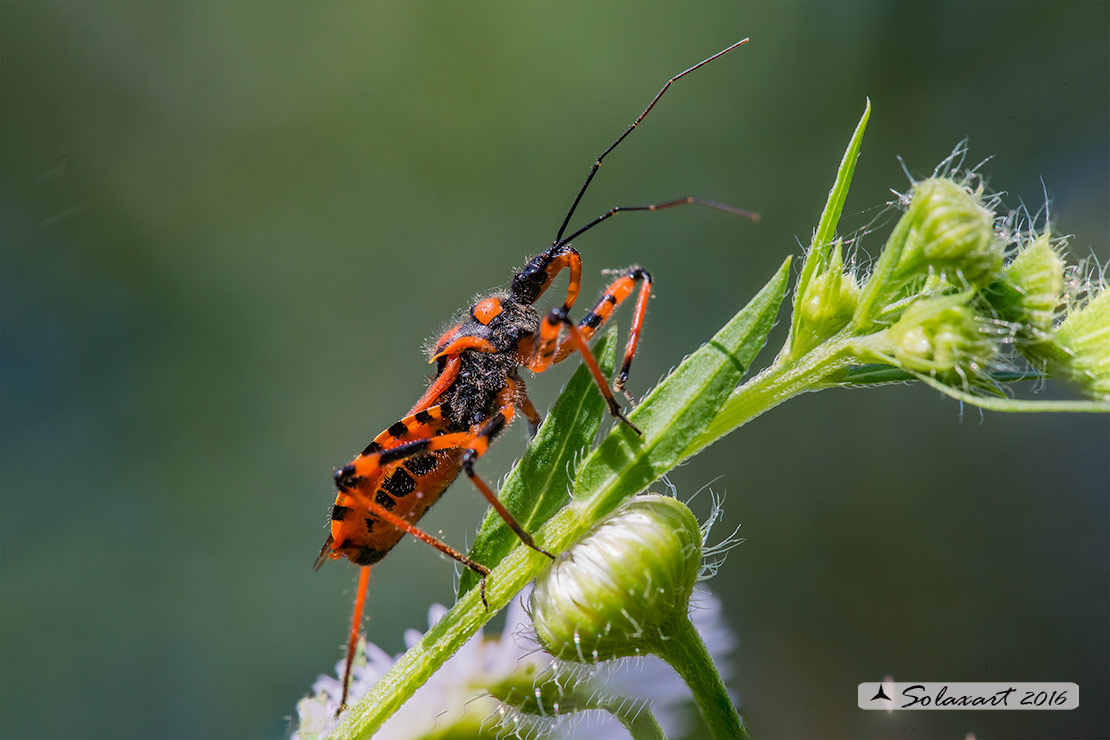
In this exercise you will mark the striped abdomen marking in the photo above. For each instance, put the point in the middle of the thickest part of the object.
(406, 487)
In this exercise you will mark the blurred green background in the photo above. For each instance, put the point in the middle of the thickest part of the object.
(227, 229)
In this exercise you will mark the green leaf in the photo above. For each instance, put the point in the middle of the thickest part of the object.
(540, 483)
(873, 373)
(679, 408)
(830, 217)
(834, 205)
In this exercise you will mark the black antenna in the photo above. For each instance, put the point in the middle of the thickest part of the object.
(688, 200)
(593, 170)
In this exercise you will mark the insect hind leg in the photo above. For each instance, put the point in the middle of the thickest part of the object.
(387, 516)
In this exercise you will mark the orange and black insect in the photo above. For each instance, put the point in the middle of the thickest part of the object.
(477, 391)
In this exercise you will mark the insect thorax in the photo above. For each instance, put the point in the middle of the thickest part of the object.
(472, 398)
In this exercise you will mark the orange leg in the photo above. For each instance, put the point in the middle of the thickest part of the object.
(407, 527)
(544, 356)
(614, 295)
(571, 260)
(478, 447)
(380, 512)
(356, 627)
(525, 405)
(536, 277)
(364, 578)
(455, 346)
(442, 382)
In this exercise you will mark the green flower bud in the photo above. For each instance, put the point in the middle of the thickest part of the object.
(1031, 289)
(1080, 349)
(624, 590)
(831, 300)
(622, 586)
(826, 305)
(942, 336)
(949, 231)
(527, 699)
(552, 692)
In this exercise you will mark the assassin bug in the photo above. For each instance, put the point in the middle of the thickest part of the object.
(476, 392)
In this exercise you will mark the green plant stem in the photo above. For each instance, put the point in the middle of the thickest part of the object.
(684, 650)
(780, 382)
(1017, 405)
(637, 719)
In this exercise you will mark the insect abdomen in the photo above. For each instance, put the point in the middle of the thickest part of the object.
(407, 489)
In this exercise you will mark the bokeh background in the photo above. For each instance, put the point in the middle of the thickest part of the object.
(227, 229)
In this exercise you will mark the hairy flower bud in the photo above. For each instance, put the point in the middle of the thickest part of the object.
(1031, 289)
(831, 300)
(942, 335)
(551, 692)
(826, 304)
(619, 589)
(951, 232)
(1080, 349)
